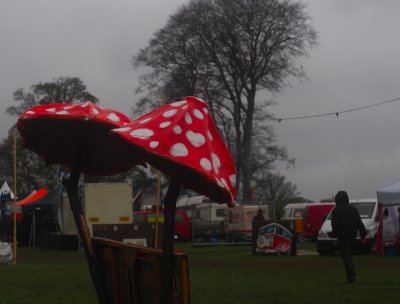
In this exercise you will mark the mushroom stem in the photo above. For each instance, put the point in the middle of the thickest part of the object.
(167, 259)
(71, 185)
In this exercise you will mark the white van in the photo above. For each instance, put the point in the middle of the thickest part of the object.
(368, 209)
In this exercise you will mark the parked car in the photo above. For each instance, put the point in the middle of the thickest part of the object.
(182, 222)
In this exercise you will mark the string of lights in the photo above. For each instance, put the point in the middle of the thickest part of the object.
(338, 112)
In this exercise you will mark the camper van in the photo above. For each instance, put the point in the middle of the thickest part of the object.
(295, 213)
(314, 216)
(368, 210)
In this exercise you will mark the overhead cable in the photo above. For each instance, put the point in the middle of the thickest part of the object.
(338, 112)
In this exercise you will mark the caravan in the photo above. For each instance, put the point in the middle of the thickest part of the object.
(208, 222)
(207, 217)
(239, 221)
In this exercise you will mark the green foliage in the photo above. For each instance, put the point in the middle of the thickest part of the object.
(60, 90)
(32, 173)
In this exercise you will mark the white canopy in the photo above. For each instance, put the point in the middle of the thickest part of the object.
(6, 189)
(389, 195)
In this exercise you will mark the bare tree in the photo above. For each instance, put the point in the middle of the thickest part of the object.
(275, 188)
(226, 51)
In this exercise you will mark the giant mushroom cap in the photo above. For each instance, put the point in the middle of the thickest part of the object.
(76, 136)
(181, 140)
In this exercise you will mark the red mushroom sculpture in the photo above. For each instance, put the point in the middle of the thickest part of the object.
(77, 136)
(181, 140)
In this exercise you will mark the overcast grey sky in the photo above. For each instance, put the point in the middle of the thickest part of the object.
(356, 64)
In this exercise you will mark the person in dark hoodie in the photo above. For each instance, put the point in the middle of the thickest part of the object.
(346, 222)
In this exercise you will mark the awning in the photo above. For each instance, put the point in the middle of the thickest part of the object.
(34, 196)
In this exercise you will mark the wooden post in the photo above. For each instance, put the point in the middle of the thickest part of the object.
(15, 197)
(71, 185)
(167, 258)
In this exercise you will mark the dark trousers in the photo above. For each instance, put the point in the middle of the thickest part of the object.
(345, 247)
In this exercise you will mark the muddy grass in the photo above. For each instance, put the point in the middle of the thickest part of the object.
(217, 274)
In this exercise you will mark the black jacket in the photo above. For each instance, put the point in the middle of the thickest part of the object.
(345, 220)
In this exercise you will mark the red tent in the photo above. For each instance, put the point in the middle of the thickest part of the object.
(34, 196)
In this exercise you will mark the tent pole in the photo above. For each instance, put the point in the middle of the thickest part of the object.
(156, 245)
(15, 197)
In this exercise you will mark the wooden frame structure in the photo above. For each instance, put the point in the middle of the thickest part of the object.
(132, 274)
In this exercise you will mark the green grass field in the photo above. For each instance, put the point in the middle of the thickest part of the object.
(224, 274)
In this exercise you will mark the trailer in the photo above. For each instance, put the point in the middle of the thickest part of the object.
(238, 222)
(108, 203)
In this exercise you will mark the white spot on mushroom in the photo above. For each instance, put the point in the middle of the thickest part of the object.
(210, 137)
(199, 99)
(223, 181)
(188, 118)
(113, 117)
(145, 120)
(232, 179)
(68, 107)
(184, 107)
(62, 113)
(216, 162)
(122, 130)
(154, 144)
(178, 103)
(30, 113)
(220, 184)
(170, 113)
(95, 111)
(51, 110)
(142, 133)
(196, 139)
(206, 164)
(85, 104)
(198, 114)
(165, 124)
(177, 130)
(178, 150)
(205, 110)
